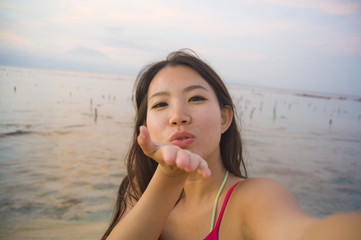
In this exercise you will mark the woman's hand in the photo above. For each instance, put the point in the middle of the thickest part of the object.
(171, 158)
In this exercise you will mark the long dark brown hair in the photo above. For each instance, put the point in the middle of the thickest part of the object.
(140, 168)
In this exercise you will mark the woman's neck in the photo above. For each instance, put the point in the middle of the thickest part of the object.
(198, 188)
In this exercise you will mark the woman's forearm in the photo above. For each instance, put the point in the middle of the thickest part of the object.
(146, 220)
(338, 226)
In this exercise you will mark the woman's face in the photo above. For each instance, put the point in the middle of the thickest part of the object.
(183, 110)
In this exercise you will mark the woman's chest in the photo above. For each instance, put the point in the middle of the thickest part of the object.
(189, 224)
(195, 225)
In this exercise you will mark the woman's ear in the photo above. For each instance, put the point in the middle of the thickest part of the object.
(226, 117)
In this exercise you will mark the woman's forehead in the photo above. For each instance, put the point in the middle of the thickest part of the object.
(179, 77)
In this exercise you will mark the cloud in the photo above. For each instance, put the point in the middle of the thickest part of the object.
(342, 46)
(87, 52)
(334, 7)
(11, 39)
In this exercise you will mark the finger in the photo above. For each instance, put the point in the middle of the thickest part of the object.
(182, 159)
(145, 142)
(194, 162)
(169, 154)
(203, 168)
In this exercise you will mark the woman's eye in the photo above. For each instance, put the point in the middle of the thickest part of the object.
(159, 105)
(196, 99)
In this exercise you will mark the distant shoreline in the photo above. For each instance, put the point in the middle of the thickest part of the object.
(117, 76)
(300, 93)
(90, 74)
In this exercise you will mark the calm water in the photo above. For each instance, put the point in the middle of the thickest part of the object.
(63, 136)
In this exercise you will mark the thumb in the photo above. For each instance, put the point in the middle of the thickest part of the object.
(145, 142)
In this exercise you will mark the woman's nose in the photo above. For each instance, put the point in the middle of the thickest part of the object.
(179, 116)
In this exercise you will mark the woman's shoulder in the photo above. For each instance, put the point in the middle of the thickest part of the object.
(266, 207)
(254, 187)
(264, 195)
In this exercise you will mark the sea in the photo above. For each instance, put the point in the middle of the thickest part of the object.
(64, 135)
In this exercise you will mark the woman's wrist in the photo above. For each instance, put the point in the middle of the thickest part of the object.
(177, 177)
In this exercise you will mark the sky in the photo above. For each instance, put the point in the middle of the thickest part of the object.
(311, 45)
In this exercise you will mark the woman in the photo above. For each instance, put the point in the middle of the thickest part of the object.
(186, 175)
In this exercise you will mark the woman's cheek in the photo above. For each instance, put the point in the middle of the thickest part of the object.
(155, 127)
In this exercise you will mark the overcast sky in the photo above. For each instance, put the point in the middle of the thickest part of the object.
(312, 45)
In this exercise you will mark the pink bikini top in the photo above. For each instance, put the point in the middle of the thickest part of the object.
(213, 235)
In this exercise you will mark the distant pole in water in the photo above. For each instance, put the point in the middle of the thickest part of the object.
(14, 88)
(95, 114)
(261, 106)
(330, 122)
(91, 105)
(275, 111)
(252, 112)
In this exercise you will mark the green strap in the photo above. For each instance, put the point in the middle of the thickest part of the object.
(216, 201)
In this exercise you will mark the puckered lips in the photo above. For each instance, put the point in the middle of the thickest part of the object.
(182, 139)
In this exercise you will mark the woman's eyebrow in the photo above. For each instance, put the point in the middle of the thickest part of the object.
(192, 87)
(163, 93)
(187, 89)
